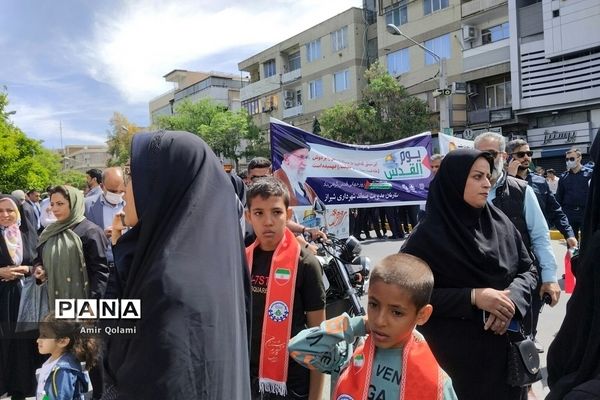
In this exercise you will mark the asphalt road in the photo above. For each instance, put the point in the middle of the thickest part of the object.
(549, 322)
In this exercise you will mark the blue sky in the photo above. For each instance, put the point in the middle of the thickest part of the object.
(75, 62)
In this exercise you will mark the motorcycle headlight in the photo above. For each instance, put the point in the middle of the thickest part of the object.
(353, 245)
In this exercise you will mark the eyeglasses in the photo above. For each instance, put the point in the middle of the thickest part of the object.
(126, 174)
(494, 153)
(521, 154)
(571, 158)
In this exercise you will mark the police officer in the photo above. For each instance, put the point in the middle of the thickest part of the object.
(572, 189)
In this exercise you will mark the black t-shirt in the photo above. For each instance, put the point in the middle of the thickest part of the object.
(309, 296)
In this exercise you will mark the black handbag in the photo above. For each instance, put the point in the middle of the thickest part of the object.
(523, 361)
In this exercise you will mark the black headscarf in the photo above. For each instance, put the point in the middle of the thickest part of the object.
(188, 268)
(574, 355)
(467, 246)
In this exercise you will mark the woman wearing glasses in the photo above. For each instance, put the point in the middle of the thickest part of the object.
(183, 258)
(483, 277)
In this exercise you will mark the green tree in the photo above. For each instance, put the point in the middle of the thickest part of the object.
(385, 113)
(71, 177)
(222, 129)
(24, 163)
(119, 139)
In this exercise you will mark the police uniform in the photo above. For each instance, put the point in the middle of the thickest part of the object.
(572, 195)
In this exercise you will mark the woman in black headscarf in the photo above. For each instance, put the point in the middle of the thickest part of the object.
(574, 355)
(481, 270)
(184, 259)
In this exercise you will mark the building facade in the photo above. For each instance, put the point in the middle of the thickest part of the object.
(555, 69)
(223, 88)
(84, 157)
(295, 80)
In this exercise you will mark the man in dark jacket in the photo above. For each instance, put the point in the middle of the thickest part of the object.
(520, 154)
(573, 187)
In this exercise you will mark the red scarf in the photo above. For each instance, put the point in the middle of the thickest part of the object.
(277, 321)
(421, 375)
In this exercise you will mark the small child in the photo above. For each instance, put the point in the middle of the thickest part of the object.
(61, 376)
(287, 296)
(394, 362)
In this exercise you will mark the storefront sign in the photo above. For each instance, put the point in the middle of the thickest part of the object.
(559, 135)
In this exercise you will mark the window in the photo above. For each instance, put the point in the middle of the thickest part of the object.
(313, 50)
(498, 95)
(494, 33)
(339, 39)
(269, 68)
(430, 6)
(251, 106)
(440, 46)
(315, 89)
(396, 14)
(398, 62)
(294, 61)
(341, 81)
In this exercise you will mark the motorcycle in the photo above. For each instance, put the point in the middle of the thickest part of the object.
(345, 271)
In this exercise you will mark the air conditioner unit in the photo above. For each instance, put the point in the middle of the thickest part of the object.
(289, 104)
(288, 94)
(459, 87)
(469, 33)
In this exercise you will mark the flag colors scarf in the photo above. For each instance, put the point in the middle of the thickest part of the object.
(422, 378)
(277, 322)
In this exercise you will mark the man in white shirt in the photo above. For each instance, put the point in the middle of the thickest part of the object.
(552, 180)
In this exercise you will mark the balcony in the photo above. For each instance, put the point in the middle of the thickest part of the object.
(479, 116)
(291, 76)
(475, 6)
(260, 88)
(486, 55)
(293, 111)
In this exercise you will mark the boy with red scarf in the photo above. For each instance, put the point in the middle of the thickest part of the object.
(394, 362)
(287, 296)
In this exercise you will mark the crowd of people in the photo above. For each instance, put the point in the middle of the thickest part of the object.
(232, 295)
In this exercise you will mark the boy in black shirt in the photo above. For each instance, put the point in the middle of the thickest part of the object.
(288, 296)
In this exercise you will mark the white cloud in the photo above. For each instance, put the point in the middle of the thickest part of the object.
(133, 48)
(42, 122)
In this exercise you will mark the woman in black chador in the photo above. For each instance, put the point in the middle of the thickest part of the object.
(481, 270)
(574, 355)
(184, 259)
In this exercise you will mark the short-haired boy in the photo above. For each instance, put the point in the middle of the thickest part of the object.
(395, 361)
(287, 296)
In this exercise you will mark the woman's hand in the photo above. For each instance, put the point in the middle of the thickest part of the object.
(496, 302)
(40, 274)
(118, 226)
(496, 325)
(9, 274)
(21, 269)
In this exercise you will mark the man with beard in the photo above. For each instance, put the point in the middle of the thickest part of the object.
(519, 150)
(93, 179)
(518, 201)
(291, 173)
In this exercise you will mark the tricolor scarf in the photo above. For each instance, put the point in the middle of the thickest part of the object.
(277, 322)
(422, 378)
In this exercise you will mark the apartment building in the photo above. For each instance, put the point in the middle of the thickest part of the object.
(193, 86)
(84, 157)
(295, 80)
(555, 68)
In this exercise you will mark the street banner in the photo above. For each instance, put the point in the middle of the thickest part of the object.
(396, 173)
(449, 143)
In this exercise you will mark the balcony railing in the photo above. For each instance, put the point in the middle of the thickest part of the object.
(260, 88)
(293, 111)
(476, 6)
(291, 76)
